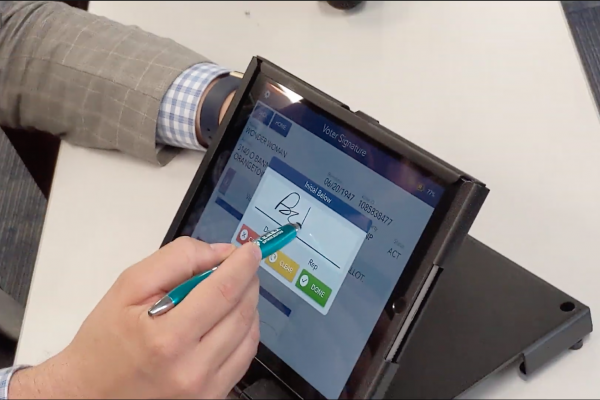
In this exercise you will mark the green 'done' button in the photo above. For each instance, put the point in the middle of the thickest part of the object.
(314, 288)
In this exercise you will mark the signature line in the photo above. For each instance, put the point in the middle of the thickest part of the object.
(267, 215)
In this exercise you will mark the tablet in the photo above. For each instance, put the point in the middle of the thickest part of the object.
(379, 217)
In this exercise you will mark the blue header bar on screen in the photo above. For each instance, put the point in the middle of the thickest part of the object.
(384, 164)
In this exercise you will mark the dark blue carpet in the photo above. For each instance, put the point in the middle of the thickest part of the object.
(22, 209)
(584, 21)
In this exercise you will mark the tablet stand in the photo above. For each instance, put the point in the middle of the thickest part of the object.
(484, 313)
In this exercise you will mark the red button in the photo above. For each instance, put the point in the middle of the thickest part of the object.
(246, 235)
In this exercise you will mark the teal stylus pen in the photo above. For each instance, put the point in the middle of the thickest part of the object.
(269, 243)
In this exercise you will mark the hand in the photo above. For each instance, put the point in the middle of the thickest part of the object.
(199, 349)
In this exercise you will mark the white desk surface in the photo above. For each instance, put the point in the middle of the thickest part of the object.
(495, 88)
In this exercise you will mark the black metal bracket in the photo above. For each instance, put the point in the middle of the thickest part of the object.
(568, 336)
(484, 313)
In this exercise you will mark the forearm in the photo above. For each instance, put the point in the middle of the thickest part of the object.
(95, 82)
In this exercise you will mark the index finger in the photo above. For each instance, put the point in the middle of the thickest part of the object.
(215, 297)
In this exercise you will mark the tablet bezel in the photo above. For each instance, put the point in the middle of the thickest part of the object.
(448, 224)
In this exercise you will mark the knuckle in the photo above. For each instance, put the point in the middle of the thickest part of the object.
(190, 383)
(252, 345)
(164, 346)
(127, 275)
(184, 241)
(247, 313)
(255, 287)
(255, 332)
(228, 290)
(255, 338)
(123, 279)
(186, 246)
(254, 351)
(126, 280)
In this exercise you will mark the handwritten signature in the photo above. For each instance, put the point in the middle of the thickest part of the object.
(287, 205)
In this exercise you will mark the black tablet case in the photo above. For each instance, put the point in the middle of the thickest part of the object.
(485, 313)
(482, 313)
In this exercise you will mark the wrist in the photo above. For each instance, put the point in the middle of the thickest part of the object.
(221, 109)
(225, 106)
(53, 379)
(32, 383)
(27, 384)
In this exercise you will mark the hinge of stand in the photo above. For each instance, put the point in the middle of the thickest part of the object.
(567, 336)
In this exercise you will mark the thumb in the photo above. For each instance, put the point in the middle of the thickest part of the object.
(170, 266)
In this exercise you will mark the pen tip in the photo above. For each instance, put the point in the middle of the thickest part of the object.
(297, 225)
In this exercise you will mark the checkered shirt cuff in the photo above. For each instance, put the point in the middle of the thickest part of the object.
(5, 375)
(176, 124)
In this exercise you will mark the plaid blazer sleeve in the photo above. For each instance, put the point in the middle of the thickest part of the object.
(90, 80)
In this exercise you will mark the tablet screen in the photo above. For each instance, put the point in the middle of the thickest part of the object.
(362, 209)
